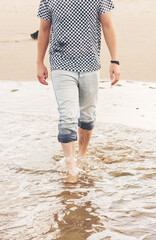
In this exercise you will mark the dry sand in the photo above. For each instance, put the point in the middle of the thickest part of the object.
(134, 22)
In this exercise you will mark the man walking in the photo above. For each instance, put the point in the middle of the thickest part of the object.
(73, 28)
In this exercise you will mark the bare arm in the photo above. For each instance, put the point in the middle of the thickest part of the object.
(42, 44)
(110, 38)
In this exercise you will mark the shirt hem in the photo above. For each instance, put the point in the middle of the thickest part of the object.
(75, 70)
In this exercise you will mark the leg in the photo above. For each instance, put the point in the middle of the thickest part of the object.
(69, 153)
(66, 93)
(84, 138)
(88, 90)
(69, 149)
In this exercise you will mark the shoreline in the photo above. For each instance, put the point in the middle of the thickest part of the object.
(131, 103)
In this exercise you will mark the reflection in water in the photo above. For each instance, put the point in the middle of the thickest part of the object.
(114, 198)
(79, 220)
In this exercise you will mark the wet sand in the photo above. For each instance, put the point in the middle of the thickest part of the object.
(115, 196)
(134, 22)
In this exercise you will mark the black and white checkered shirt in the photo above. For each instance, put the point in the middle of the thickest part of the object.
(75, 39)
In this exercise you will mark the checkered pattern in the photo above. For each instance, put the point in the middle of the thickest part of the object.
(75, 39)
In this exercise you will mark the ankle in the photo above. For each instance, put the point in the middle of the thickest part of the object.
(80, 154)
(71, 166)
(70, 159)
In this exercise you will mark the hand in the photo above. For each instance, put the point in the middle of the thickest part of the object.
(114, 70)
(42, 73)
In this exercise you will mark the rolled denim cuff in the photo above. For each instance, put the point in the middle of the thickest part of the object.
(65, 138)
(86, 125)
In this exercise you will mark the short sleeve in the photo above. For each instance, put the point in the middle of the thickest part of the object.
(43, 11)
(105, 5)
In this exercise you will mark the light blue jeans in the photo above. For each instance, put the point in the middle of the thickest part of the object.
(76, 96)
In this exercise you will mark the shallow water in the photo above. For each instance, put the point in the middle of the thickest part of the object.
(114, 199)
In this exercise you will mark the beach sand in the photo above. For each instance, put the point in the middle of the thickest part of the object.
(134, 23)
(131, 103)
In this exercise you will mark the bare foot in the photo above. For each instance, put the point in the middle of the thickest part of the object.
(83, 157)
(71, 179)
(82, 160)
(72, 170)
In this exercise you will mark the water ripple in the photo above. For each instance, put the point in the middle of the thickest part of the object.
(114, 198)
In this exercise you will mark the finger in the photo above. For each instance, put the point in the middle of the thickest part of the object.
(116, 78)
(115, 81)
(42, 80)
